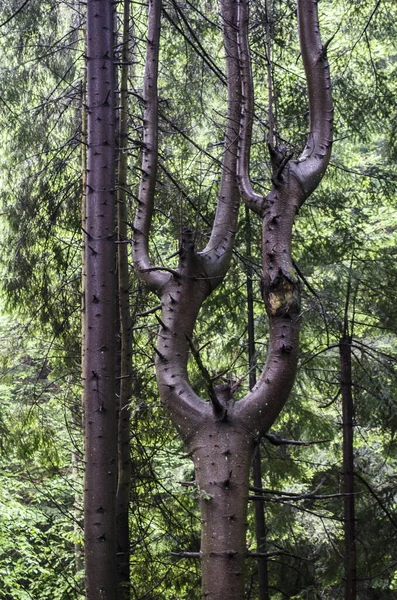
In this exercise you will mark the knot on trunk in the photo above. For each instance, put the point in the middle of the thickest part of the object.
(187, 243)
(222, 399)
(281, 296)
(279, 157)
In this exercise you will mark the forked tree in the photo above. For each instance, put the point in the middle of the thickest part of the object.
(220, 433)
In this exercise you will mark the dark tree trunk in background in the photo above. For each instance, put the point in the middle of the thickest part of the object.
(221, 434)
(348, 468)
(100, 419)
(260, 529)
(260, 524)
(77, 409)
(124, 286)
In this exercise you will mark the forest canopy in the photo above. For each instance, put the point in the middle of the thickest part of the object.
(198, 322)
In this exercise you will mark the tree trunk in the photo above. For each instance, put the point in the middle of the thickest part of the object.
(260, 530)
(100, 420)
(77, 408)
(260, 524)
(348, 468)
(222, 459)
(124, 287)
(221, 434)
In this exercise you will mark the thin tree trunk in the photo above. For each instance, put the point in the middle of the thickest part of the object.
(124, 286)
(348, 468)
(260, 531)
(260, 523)
(77, 408)
(76, 469)
(100, 420)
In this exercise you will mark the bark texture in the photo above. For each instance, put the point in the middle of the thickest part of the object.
(222, 453)
(221, 434)
(100, 263)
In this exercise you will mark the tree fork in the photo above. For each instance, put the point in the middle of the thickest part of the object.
(221, 442)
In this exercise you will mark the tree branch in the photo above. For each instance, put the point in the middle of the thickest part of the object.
(217, 254)
(379, 501)
(311, 166)
(14, 13)
(276, 440)
(254, 201)
(153, 277)
(293, 183)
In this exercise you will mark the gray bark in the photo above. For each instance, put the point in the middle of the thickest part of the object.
(99, 356)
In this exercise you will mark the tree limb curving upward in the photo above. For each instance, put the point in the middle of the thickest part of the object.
(221, 433)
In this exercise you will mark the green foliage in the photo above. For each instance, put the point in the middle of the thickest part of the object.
(40, 166)
(36, 540)
(344, 248)
(37, 532)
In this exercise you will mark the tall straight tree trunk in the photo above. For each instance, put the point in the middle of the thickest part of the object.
(100, 420)
(222, 459)
(260, 524)
(348, 468)
(124, 287)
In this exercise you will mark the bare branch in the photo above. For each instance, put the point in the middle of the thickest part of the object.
(153, 277)
(255, 201)
(276, 440)
(275, 553)
(311, 166)
(194, 555)
(296, 497)
(379, 501)
(293, 183)
(196, 45)
(206, 375)
(14, 13)
(217, 254)
(149, 311)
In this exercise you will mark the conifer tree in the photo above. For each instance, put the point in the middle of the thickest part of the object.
(99, 370)
(221, 433)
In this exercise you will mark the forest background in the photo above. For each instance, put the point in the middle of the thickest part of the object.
(344, 253)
